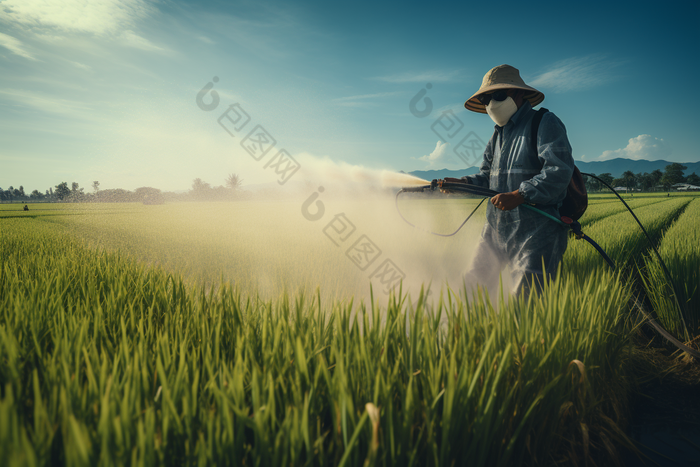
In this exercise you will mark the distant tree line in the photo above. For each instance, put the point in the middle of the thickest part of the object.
(62, 193)
(655, 181)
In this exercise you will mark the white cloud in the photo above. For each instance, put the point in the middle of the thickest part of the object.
(55, 20)
(640, 147)
(205, 39)
(15, 46)
(575, 73)
(131, 39)
(439, 156)
(82, 66)
(70, 16)
(420, 77)
(20, 98)
(362, 100)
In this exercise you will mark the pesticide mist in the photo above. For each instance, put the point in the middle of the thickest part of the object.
(335, 227)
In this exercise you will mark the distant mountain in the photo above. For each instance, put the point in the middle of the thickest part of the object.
(444, 173)
(614, 166)
(617, 166)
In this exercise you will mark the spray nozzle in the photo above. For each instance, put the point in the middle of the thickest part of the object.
(451, 185)
(432, 187)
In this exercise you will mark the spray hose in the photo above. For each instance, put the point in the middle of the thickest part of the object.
(638, 304)
(564, 221)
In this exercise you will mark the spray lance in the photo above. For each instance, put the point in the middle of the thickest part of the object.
(487, 193)
(574, 226)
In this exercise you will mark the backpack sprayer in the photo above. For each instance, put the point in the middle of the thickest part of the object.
(572, 224)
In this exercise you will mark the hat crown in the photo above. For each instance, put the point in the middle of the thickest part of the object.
(502, 74)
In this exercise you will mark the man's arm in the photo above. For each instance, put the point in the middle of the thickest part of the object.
(554, 152)
(482, 178)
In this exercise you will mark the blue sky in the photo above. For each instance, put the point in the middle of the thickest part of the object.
(107, 90)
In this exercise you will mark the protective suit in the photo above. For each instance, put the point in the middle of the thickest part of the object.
(521, 238)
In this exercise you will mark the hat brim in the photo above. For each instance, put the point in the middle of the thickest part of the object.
(535, 97)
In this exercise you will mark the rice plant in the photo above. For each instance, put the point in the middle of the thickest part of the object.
(106, 361)
(680, 250)
(620, 236)
(600, 209)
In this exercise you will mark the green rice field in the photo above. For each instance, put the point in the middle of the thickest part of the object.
(244, 333)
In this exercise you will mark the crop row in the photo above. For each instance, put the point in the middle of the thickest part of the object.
(680, 250)
(620, 236)
(107, 362)
(600, 210)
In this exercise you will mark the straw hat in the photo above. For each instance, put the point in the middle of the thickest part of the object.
(502, 77)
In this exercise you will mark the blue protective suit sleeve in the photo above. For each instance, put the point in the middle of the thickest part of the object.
(554, 153)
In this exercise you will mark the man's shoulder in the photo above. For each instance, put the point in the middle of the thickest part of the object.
(550, 120)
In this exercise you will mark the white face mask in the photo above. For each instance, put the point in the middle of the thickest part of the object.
(501, 111)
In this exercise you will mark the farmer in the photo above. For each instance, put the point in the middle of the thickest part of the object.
(517, 237)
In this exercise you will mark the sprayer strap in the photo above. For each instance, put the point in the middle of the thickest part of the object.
(534, 128)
